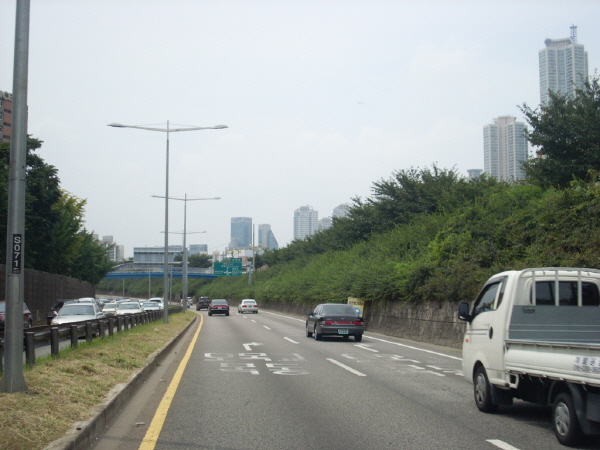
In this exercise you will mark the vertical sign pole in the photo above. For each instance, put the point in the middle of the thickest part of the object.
(13, 379)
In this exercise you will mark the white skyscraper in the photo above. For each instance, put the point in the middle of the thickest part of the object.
(341, 210)
(563, 66)
(504, 149)
(305, 222)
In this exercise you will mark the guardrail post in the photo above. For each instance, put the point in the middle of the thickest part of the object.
(30, 348)
(111, 326)
(1, 356)
(119, 324)
(74, 336)
(102, 328)
(89, 333)
(54, 344)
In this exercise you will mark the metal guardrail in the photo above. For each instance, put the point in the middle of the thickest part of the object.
(90, 330)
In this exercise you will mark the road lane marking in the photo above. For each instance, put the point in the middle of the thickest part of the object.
(349, 369)
(267, 327)
(366, 347)
(248, 345)
(151, 437)
(415, 348)
(291, 340)
(501, 444)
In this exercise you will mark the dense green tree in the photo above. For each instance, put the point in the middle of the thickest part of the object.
(55, 240)
(202, 260)
(91, 263)
(566, 133)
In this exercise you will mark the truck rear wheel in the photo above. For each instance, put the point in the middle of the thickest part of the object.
(482, 391)
(564, 418)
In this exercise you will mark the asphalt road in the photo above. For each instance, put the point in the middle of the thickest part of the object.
(256, 381)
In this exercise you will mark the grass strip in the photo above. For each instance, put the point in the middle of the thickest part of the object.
(63, 390)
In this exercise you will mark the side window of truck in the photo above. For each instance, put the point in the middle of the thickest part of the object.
(567, 292)
(487, 298)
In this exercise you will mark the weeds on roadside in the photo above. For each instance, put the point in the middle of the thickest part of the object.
(62, 391)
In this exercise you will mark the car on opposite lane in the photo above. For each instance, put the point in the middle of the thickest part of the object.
(78, 312)
(127, 308)
(334, 319)
(218, 306)
(151, 306)
(110, 308)
(248, 305)
(27, 316)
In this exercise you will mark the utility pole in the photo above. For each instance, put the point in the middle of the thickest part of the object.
(13, 379)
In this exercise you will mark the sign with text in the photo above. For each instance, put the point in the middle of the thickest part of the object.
(231, 268)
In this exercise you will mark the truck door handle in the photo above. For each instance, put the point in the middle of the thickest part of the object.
(491, 333)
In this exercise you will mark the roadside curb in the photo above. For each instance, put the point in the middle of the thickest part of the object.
(84, 434)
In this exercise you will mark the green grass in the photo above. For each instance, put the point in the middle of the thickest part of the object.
(63, 390)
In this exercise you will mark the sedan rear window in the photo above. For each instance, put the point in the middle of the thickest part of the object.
(338, 309)
(219, 302)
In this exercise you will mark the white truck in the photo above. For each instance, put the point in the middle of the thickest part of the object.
(534, 335)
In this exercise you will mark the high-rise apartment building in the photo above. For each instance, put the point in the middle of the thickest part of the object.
(5, 115)
(116, 253)
(198, 249)
(241, 232)
(266, 238)
(563, 66)
(305, 222)
(504, 149)
(341, 210)
(324, 223)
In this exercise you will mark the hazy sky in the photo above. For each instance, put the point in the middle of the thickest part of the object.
(322, 99)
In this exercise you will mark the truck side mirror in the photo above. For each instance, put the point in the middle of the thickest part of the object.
(463, 312)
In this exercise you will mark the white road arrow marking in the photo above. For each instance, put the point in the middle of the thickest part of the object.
(248, 346)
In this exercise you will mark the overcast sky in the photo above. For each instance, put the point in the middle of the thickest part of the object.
(322, 99)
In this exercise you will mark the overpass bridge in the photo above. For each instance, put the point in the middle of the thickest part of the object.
(157, 274)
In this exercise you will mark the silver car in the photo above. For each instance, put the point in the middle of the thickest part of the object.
(78, 312)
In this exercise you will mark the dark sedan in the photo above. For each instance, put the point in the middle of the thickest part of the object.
(203, 302)
(27, 318)
(218, 306)
(334, 319)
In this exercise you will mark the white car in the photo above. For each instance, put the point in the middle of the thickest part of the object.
(248, 305)
(151, 306)
(77, 312)
(158, 300)
(126, 308)
(110, 308)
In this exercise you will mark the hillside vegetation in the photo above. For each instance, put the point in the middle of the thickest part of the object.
(430, 234)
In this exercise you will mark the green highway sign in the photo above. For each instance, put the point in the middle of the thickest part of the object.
(231, 268)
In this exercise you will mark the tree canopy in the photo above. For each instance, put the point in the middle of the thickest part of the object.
(566, 133)
(55, 239)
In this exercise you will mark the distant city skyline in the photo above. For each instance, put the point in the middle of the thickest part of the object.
(335, 97)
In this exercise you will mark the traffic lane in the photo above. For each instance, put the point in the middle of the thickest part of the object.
(434, 376)
(252, 400)
(127, 430)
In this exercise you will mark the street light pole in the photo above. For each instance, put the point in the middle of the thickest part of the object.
(13, 379)
(185, 199)
(167, 130)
